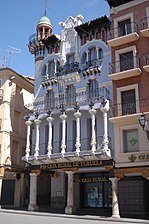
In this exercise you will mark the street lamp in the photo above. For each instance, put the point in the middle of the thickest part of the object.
(143, 122)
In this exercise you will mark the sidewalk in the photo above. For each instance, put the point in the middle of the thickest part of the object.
(86, 217)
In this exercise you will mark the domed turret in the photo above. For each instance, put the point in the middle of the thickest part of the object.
(44, 28)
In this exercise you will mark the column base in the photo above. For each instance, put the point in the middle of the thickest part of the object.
(33, 207)
(69, 210)
(116, 216)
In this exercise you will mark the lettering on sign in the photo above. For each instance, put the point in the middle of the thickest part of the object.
(71, 165)
(142, 157)
(91, 180)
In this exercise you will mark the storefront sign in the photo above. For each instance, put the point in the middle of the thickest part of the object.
(71, 165)
(91, 180)
(142, 157)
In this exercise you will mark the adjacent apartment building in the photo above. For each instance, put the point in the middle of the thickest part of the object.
(129, 72)
(71, 149)
(15, 92)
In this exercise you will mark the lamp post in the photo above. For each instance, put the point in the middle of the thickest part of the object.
(143, 122)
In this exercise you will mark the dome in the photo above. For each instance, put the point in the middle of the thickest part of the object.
(44, 20)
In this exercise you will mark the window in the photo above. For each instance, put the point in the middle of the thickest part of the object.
(92, 89)
(50, 101)
(70, 58)
(51, 68)
(130, 140)
(124, 27)
(128, 102)
(70, 94)
(92, 54)
(126, 61)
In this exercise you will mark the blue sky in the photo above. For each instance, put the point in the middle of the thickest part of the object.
(18, 20)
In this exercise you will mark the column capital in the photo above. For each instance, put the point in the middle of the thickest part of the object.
(34, 174)
(50, 119)
(114, 179)
(77, 114)
(105, 108)
(70, 172)
(37, 121)
(63, 116)
(92, 111)
(28, 123)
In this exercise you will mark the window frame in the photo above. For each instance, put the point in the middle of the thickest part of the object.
(119, 101)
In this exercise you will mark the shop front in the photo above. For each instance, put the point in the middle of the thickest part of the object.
(95, 193)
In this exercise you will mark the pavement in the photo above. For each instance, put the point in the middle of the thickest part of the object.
(83, 217)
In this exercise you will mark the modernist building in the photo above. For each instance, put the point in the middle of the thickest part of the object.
(129, 72)
(15, 92)
(70, 152)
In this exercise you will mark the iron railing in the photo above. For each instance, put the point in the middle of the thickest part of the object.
(68, 68)
(124, 30)
(144, 23)
(70, 146)
(146, 59)
(122, 109)
(70, 101)
(92, 63)
(125, 64)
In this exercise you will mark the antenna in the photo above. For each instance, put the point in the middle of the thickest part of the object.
(45, 2)
(12, 50)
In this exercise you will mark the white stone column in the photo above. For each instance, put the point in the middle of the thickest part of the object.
(27, 151)
(115, 204)
(55, 66)
(47, 70)
(87, 56)
(49, 149)
(33, 193)
(78, 143)
(37, 122)
(105, 141)
(93, 139)
(63, 143)
(69, 209)
(97, 52)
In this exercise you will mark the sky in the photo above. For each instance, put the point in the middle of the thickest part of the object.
(18, 20)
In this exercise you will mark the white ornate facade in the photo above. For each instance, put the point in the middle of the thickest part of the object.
(68, 122)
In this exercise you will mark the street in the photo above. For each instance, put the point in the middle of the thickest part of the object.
(29, 218)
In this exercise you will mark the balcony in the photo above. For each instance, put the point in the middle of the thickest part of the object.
(85, 150)
(129, 110)
(91, 67)
(145, 26)
(146, 62)
(68, 68)
(127, 68)
(83, 98)
(123, 35)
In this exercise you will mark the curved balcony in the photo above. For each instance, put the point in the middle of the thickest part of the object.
(70, 101)
(85, 148)
(68, 68)
(123, 34)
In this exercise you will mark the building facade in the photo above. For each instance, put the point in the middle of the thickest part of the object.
(15, 92)
(70, 146)
(129, 41)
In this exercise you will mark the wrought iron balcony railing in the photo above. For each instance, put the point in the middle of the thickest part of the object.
(146, 59)
(125, 64)
(144, 23)
(70, 101)
(122, 30)
(70, 146)
(68, 68)
(133, 107)
(92, 63)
